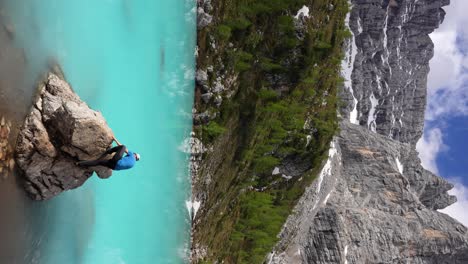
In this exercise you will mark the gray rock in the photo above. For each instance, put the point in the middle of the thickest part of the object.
(203, 19)
(392, 50)
(218, 86)
(59, 131)
(201, 77)
(206, 97)
(367, 211)
(206, 4)
(218, 100)
(204, 117)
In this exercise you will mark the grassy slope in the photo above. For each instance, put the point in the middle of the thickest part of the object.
(282, 82)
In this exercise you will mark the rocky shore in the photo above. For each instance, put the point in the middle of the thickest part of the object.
(59, 131)
(7, 162)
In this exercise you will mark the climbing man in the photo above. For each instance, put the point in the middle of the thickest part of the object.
(118, 161)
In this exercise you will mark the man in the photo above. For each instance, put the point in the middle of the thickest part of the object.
(118, 161)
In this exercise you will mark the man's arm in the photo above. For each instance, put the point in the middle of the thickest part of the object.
(118, 143)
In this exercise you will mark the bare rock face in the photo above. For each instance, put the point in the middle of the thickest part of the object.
(59, 131)
(387, 64)
(376, 204)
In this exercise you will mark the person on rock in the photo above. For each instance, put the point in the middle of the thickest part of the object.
(118, 161)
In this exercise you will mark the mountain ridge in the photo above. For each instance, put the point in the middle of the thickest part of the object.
(379, 204)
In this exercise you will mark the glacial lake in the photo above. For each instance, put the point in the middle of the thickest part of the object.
(133, 60)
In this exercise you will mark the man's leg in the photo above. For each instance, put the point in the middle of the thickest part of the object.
(111, 150)
(98, 162)
(119, 154)
(110, 163)
(114, 149)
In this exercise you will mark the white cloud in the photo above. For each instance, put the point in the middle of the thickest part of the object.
(447, 95)
(429, 147)
(448, 79)
(458, 209)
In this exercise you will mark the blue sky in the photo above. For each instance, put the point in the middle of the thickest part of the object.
(444, 146)
(454, 160)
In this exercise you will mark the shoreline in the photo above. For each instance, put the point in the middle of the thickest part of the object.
(18, 221)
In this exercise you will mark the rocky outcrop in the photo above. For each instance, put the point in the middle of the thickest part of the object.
(376, 204)
(59, 131)
(203, 17)
(387, 64)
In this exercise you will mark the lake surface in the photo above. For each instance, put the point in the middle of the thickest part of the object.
(133, 60)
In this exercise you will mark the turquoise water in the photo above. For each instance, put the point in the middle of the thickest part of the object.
(133, 61)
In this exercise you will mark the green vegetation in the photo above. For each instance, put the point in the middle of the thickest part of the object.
(212, 130)
(242, 60)
(258, 225)
(224, 32)
(283, 81)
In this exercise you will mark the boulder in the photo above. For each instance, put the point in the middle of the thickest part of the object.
(59, 131)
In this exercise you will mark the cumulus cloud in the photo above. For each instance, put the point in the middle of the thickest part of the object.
(447, 95)
(429, 147)
(448, 79)
(458, 209)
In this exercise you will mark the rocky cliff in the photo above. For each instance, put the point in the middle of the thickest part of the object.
(387, 63)
(373, 202)
(59, 131)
